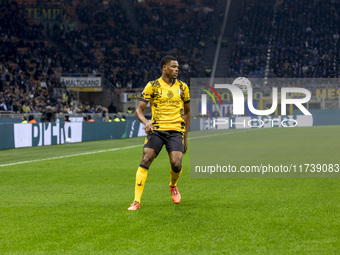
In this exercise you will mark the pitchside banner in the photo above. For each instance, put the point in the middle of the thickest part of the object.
(81, 81)
(40, 134)
(19, 135)
(229, 108)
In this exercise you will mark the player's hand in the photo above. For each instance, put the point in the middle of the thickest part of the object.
(148, 128)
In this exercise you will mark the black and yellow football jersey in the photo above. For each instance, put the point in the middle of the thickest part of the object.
(167, 103)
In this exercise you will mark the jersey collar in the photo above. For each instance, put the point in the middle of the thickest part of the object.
(167, 83)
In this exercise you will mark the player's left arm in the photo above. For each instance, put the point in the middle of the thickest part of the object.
(186, 118)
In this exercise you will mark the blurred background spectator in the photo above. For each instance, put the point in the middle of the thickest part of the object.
(301, 39)
(121, 40)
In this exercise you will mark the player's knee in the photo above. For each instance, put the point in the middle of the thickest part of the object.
(176, 167)
(147, 160)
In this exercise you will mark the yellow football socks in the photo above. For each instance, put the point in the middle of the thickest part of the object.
(141, 175)
(174, 177)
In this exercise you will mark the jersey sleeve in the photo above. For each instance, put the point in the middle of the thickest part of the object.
(186, 94)
(147, 93)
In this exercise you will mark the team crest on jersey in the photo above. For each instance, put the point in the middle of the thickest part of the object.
(170, 94)
(179, 91)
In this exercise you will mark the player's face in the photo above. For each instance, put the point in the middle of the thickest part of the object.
(171, 69)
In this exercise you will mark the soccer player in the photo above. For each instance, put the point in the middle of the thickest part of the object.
(170, 105)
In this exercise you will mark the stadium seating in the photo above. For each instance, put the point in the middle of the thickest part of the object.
(301, 37)
(103, 41)
(273, 38)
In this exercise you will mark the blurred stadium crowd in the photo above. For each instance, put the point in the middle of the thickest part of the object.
(104, 42)
(301, 39)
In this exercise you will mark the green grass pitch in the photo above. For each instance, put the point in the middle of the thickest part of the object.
(78, 204)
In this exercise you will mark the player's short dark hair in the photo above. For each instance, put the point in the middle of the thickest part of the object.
(165, 60)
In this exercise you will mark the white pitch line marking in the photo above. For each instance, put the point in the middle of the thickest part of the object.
(68, 156)
(114, 149)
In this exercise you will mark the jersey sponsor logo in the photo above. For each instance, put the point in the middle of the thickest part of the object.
(168, 102)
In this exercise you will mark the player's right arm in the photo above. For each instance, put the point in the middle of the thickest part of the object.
(140, 116)
(146, 97)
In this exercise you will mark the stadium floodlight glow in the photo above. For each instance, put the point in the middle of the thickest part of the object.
(238, 100)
